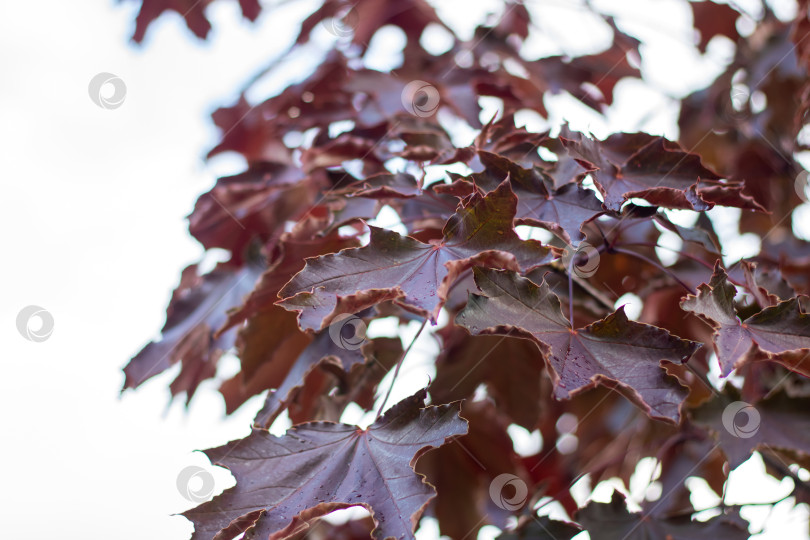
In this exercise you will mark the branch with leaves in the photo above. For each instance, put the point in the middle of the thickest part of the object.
(532, 332)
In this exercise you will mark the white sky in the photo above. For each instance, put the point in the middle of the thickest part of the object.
(93, 211)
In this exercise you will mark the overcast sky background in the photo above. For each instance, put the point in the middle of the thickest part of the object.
(93, 210)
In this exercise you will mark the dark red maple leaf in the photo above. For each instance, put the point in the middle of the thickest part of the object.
(360, 19)
(197, 310)
(193, 11)
(611, 351)
(780, 333)
(655, 169)
(562, 211)
(414, 274)
(252, 205)
(282, 483)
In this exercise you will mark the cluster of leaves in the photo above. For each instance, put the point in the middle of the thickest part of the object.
(534, 325)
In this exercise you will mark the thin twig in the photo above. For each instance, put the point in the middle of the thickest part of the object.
(655, 264)
(571, 291)
(678, 251)
(399, 365)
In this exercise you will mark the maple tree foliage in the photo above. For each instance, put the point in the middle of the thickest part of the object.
(712, 368)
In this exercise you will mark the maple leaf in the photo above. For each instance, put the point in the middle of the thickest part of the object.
(655, 169)
(193, 11)
(414, 274)
(780, 333)
(362, 18)
(197, 309)
(609, 521)
(614, 350)
(777, 422)
(562, 211)
(766, 283)
(318, 467)
(252, 204)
